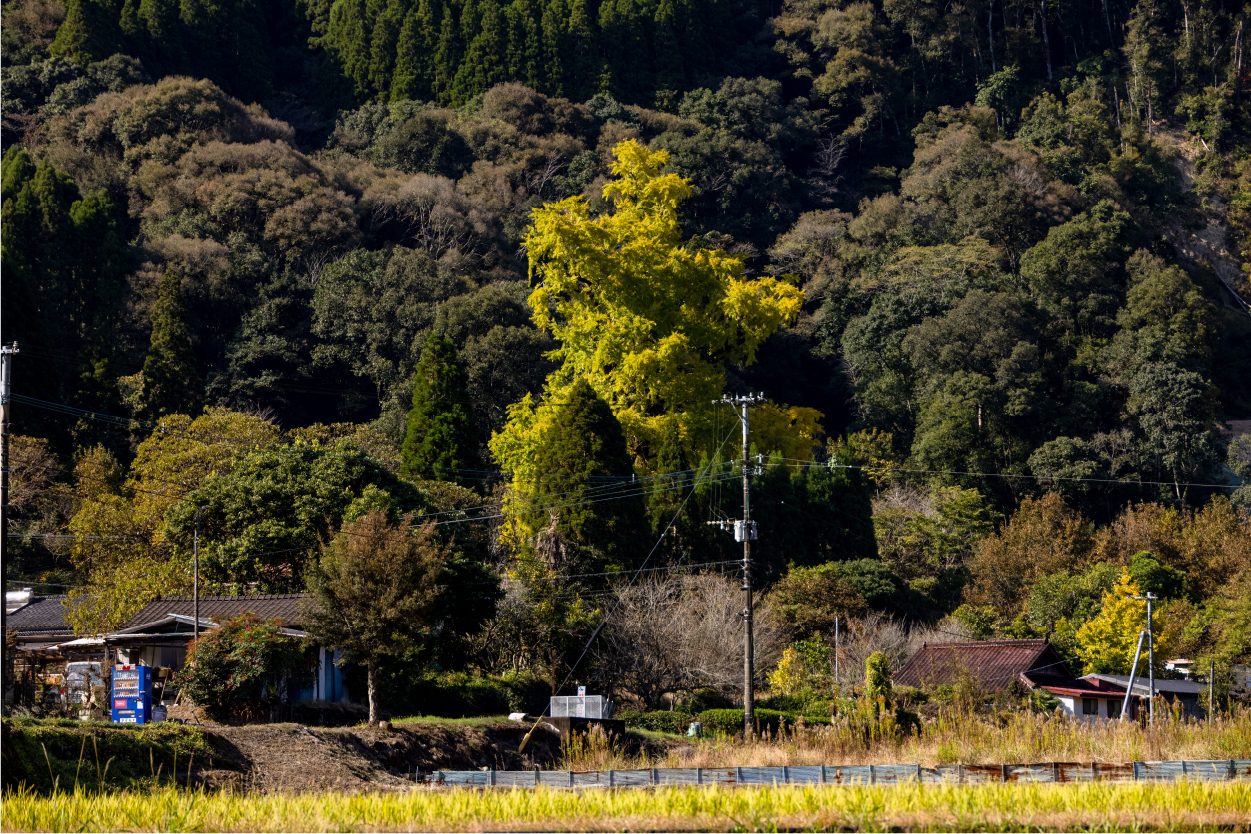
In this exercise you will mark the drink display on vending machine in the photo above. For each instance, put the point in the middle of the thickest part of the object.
(132, 694)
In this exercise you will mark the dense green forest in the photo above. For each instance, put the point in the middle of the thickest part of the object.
(287, 262)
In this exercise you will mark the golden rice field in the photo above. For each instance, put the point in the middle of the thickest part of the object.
(1182, 806)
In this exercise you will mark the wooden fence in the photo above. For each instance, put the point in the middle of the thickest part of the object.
(1217, 770)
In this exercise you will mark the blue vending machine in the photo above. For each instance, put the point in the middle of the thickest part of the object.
(132, 694)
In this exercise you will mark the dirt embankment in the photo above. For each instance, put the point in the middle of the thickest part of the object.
(293, 757)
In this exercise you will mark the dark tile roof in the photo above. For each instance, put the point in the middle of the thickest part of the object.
(42, 615)
(283, 607)
(995, 663)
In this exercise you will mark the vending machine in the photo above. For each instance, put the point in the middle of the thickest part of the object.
(132, 694)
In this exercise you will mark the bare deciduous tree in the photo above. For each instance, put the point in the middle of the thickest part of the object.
(430, 211)
(684, 632)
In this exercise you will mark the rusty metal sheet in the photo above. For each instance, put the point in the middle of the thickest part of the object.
(462, 778)
(1112, 771)
(1241, 769)
(981, 774)
(718, 776)
(590, 778)
(632, 778)
(1029, 773)
(1072, 771)
(941, 775)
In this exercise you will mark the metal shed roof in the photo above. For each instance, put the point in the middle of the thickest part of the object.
(995, 663)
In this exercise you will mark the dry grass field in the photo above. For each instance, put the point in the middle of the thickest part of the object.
(953, 737)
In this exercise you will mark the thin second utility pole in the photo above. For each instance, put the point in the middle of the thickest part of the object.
(745, 531)
(1150, 597)
(6, 378)
(195, 550)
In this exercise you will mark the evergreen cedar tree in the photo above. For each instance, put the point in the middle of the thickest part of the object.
(372, 590)
(64, 276)
(169, 383)
(583, 458)
(441, 441)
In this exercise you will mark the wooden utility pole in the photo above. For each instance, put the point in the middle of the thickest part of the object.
(195, 551)
(6, 378)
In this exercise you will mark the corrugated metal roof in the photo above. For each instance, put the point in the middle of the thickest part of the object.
(283, 607)
(42, 615)
(995, 663)
(1142, 685)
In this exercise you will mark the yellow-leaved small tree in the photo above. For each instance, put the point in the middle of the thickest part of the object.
(1106, 643)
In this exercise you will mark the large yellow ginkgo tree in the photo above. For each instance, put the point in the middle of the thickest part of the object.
(648, 318)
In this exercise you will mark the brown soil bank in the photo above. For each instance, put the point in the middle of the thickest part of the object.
(269, 757)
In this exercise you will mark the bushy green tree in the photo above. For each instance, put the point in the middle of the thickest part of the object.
(371, 592)
(243, 667)
(261, 522)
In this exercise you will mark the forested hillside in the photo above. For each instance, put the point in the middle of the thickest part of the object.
(295, 263)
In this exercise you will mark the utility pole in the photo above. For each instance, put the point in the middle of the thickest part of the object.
(6, 378)
(745, 531)
(1211, 688)
(1150, 597)
(836, 651)
(195, 557)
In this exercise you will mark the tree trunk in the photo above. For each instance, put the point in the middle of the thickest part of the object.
(373, 691)
(990, 34)
(1042, 9)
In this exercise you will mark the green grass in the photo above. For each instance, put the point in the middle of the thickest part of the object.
(1183, 806)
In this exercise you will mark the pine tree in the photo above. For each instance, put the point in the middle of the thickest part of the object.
(524, 48)
(582, 457)
(382, 47)
(484, 65)
(670, 73)
(583, 68)
(90, 31)
(414, 61)
(170, 383)
(552, 35)
(348, 41)
(163, 35)
(447, 57)
(442, 437)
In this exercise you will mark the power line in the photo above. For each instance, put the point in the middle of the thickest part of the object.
(796, 463)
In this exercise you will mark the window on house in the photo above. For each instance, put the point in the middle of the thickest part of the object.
(1090, 706)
